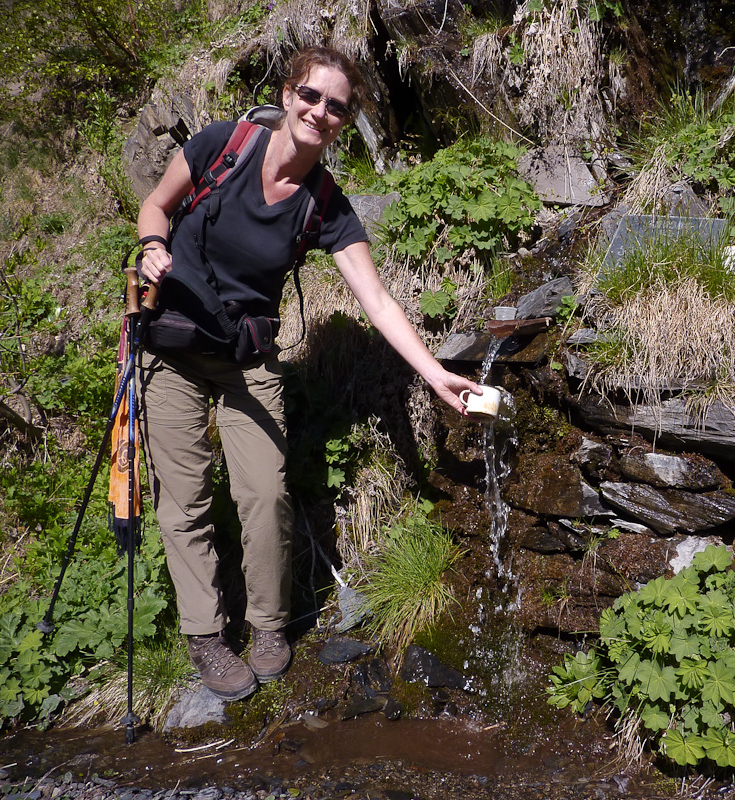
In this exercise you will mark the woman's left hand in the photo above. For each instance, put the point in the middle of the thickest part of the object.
(448, 386)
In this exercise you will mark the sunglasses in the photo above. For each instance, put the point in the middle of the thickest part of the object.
(313, 98)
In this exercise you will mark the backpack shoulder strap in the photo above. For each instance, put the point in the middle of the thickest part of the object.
(236, 152)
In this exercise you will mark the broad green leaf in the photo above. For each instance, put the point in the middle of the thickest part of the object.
(719, 685)
(657, 681)
(683, 750)
(719, 744)
(31, 641)
(713, 558)
(717, 616)
(9, 690)
(434, 304)
(419, 205)
(693, 672)
(655, 592)
(683, 645)
(484, 207)
(629, 671)
(682, 597)
(654, 718)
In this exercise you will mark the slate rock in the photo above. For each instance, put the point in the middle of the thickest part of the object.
(670, 511)
(541, 541)
(341, 649)
(593, 457)
(667, 471)
(369, 209)
(556, 488)
(559, 174)
(422, 666)
(195, 708)
(546, 300)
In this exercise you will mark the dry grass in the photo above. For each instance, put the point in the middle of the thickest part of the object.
(673, 337)
(558, 61)
(646, 191)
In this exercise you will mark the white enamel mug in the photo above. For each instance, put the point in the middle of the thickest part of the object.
(481, 406)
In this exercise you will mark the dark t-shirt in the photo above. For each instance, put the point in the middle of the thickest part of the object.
(251, 246)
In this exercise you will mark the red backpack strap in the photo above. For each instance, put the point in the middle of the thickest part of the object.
(236, 151)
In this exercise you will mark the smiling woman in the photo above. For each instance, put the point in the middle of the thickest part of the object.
(242, 252)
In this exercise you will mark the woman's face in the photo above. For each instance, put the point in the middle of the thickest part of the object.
(316, 117)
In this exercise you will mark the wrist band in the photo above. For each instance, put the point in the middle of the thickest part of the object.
(153, 238)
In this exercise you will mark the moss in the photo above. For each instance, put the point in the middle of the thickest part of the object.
(415, 698)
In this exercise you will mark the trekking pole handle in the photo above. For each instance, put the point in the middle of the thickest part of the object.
(151, 299)
(132, 307)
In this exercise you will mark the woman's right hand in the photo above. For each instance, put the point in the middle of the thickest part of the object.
(156, 263)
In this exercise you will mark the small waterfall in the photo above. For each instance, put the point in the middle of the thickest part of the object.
(499, 443)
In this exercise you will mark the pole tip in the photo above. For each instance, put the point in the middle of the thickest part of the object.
(45, 626)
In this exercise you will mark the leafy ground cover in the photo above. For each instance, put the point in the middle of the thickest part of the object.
(664, 665)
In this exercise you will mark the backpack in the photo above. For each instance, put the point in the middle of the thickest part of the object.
(209, 325)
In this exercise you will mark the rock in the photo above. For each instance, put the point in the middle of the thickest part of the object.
(593, 457)
(687, 548)
(559, 174)
(670, 511)
(554, 488)
(364, 705)
(673, 472)
(567, 536)
(546, 300)
(575, 366)
(166, 122)
(392, 709)
(541, 541)
(340, 649)
(421, 666)
(680, 200)
(583, 336)
(195, 708)
(673, 425)
(635, 230)
(631, 527)
(370, 207)
(352, 607)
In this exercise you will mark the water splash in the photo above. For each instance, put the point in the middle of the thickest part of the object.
(499, 444)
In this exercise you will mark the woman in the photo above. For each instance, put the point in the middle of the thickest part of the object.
(248, 251)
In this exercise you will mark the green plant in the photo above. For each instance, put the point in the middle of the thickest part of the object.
(688, 138)
(406, 591)
(443, 302)
(465, 200)
(665, 660)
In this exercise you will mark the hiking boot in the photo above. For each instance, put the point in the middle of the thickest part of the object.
(225, 675)
(270, 655)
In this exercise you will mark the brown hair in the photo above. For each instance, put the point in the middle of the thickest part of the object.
(304, 61)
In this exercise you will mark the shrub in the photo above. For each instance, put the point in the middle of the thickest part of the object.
(464, 202)
(665, 664)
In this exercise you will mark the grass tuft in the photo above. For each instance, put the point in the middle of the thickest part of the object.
(407, 590)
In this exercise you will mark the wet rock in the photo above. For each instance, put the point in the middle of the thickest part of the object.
(541, 541)
(392, 709)
(670, 511)
(594, 458)
(566, 536)
(575, 366)
(364, 705)
(341, 649)
(631, 527)
(194, 709)
(666, 471)
(422, 666)
(556, 489)
(583, 336)
(546, 300)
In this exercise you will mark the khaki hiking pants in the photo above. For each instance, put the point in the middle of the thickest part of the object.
(174, 394)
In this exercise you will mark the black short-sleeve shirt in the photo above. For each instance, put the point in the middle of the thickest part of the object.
(247, 252)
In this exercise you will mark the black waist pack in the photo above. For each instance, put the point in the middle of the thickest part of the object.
(208, 326)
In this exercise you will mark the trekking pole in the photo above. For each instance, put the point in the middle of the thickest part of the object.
(149, 305)
(131, 720)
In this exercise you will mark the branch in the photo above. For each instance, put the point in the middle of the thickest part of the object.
(17, 421)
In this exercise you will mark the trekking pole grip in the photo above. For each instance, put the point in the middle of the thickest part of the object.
(151, 299)
(132, 307)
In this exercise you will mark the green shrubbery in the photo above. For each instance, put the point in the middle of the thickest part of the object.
(468, 199)
(665, 662)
